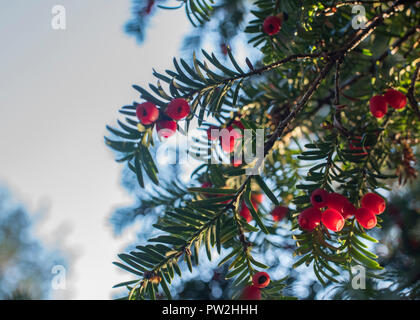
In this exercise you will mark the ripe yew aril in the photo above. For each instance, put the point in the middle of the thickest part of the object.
(238, 125)
(309, 218)
(261, 279)
(236, 159)
(348, 210)
(166, 128)
(245, 213)
(373, 202)
(319, 198)
(332, 220)
(257, 197)
(251, 293)
(272, 25)
(147, 113)
(378, 106)
(206, 184)
(228, 138)
(366, 218)
(279, 212)
(237, 162)
(178, 109)
(395, 98)
(336, 201)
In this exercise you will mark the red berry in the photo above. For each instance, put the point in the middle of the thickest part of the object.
(348, 210)
(378, 106)
(147, 113)
(238, 124)
(309, 218)
(337, 202)
(215, 135)
(227, 146)
(228, 138)
(206, 184)
(374, 203)
(255, 203)
(272, 25)
(257, 198)
(333, 220)
(178, 109)
(279, 213)
(261, 279)
(366, 218)
(251, 293)
(245, 213)
(395, 99)
(234, 132)
(222, 195)
(319, 198)
(237, 163)
(166, 128)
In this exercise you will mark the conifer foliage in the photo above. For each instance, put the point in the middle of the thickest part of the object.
(335, 102)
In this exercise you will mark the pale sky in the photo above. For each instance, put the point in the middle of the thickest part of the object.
(58, 90)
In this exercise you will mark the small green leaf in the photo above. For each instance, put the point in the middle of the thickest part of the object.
(266, 190)
(250, 206)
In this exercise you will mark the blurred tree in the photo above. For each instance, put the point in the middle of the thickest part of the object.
(25, 262)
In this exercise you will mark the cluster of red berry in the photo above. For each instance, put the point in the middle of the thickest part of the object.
(260, 280)
(256, 200)
(278, 213)
(166, 125)
(272, 24)
(339, 208)
(379, 104)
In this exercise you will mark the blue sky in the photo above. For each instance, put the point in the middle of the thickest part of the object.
(58, 90)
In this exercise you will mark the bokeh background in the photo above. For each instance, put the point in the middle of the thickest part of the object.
(58, 89)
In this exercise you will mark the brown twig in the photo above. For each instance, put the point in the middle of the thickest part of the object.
(344, 86)
(410, 93)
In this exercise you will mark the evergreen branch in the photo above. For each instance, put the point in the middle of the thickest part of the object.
(349, 82)
(198, 12)
(254, 72)
(156, 263)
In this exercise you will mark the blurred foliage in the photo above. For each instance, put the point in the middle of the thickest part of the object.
(25, 262)
(222, 18)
